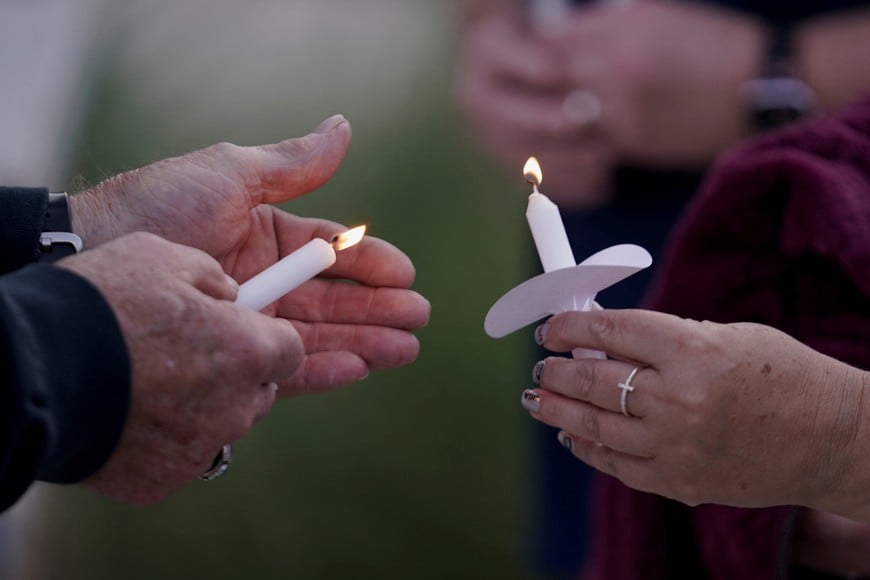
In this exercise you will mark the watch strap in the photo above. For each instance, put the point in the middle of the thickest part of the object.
(57, 240)
(779, 96)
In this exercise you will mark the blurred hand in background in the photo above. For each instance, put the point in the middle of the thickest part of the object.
(644, 84)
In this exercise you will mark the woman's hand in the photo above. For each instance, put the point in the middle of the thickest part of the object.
(737, 414)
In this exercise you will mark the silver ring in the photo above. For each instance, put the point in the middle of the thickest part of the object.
(626, 389)
(582, 107)
(220, 465)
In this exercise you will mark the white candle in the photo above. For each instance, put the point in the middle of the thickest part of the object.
(288, 273)
(546, 224)
(293, 270)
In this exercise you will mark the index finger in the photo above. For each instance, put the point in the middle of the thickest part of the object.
(644, 336)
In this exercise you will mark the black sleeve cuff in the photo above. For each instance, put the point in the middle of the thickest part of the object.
(22, 212)
(66, 379)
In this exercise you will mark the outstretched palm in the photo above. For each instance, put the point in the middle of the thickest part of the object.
(219, 200)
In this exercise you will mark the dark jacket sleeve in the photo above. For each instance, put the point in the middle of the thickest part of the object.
(65, 371)
(22, 213)
(64, 368)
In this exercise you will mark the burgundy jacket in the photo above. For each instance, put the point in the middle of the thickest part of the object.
(780, 235)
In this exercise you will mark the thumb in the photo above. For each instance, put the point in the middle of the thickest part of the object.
(295, 167)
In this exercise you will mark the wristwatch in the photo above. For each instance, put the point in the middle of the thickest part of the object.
(778, 96)
(57, 240)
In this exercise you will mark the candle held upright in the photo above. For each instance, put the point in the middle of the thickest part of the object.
(546, 224)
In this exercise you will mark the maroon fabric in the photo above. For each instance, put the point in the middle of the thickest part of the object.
(779, 234)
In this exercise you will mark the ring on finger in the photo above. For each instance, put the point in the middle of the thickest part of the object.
(582, 107)
(220, 465)
(627, 388)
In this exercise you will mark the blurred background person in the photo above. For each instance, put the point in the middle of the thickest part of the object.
(625, 103)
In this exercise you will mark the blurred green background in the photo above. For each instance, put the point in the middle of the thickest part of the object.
(415, 473)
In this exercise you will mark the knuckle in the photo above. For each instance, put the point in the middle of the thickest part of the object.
(607, 458)
(250, 355)
(225, 149)
(239, 421)
(267, 352)
(548, 411)
(591, 425)
(696, 406)
(706, 340)
(686, 490)
(603, 327)
(585, 376)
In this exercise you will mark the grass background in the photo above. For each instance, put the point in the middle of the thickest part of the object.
(415, 473)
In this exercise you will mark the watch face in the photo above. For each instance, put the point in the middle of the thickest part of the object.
(773, 102)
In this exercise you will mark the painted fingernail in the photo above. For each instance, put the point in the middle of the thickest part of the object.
(538, 372)
(565, 440)
(541, 333)
(531, 400)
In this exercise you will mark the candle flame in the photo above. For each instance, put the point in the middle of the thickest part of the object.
(349, 238)
(532, 172)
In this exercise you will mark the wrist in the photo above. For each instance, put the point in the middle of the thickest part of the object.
(847, 491)
(89, 219)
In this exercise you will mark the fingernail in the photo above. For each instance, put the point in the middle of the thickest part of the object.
(538, 372)
(531, 400)
(541, 333)
(565, 440)
(329, 124)
(232, 282)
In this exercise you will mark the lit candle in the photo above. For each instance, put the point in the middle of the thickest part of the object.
(544, 219)
(293, 270)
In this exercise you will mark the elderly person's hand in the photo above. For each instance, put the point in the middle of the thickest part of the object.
(219, 200)
(201, 366)
(736, 414)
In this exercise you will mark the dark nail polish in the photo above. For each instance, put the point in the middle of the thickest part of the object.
(565, 440)
(541, 333)
(531, 400)
(538, 372)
